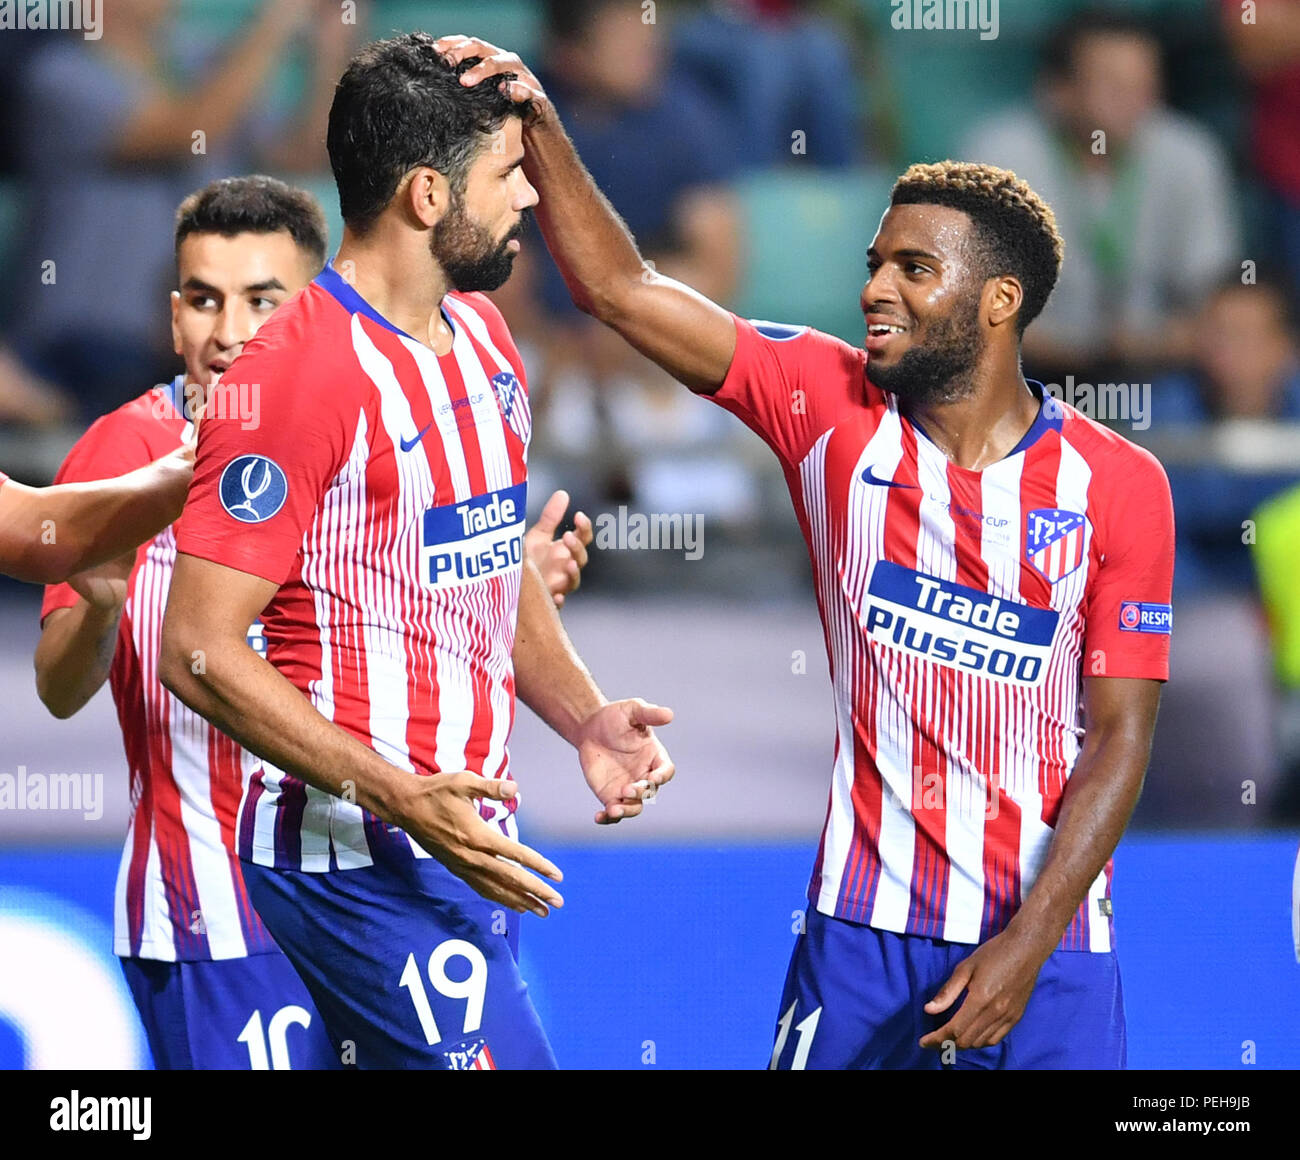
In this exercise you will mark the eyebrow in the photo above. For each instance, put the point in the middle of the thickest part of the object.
(874, 253)
(515, 164)
(252, 288)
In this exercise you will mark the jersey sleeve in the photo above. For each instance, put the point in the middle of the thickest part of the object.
(111, 446)
(259, 480)
(1129, 616)
(789, 383)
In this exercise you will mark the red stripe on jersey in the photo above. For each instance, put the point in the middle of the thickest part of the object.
(175, 866)
(966, 496)
(225, 781)
(128, 684)
(1038, 485)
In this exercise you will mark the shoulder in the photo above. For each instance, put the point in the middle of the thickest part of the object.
(310, 335)
(801, 347)
(1123, 475)
(478, 303)
(480, 313)
(152, 417)
(131, 436)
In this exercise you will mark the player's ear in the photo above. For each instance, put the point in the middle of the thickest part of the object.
(1002, 299)
(428, 194)
(176, 321)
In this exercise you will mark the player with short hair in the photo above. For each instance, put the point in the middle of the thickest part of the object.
(993, 573)
(374, 521)
(212, 988)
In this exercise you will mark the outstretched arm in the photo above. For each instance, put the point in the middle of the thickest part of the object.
(999, 977)
(692, 338)
(48, 533)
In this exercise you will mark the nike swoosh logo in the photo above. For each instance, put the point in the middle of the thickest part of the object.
(407, 444)
(869, 476)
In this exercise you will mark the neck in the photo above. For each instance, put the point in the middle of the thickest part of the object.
(988, 420)
(392, 269)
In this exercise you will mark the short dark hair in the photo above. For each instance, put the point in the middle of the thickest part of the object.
(1015, 230)
(1064, 40)
(399, 105)
(255, 205)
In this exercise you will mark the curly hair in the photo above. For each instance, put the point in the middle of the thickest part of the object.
(1015, 230)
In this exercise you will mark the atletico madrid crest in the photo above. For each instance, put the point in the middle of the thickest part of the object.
(472, 1055)
(1054, 541)
(512, 404)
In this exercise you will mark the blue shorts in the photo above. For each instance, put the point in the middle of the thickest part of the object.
(408, 965)
(854, 999)
(249, 1014)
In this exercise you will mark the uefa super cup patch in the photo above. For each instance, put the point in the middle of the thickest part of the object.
(1055, 541)
(253, 488)
(474, 539)
(1136, 616)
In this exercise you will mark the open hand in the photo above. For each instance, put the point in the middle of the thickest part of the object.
(560, 561)
(622, 760)
(439, 813)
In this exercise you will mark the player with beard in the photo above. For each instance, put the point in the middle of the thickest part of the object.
(993, 572)
(373, 520)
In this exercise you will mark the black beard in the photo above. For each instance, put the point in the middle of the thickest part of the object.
(939, 371)
(467, 253)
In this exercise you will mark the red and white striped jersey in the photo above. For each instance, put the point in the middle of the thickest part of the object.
(180, 891)
(382, 487)
(961, 611)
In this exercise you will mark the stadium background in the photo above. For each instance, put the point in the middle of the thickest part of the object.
(677, 927)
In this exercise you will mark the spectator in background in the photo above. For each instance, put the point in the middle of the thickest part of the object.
(1268, 49)
(752, 57)
(107, 148)
(1142, 196)
(1246, 370)
(660, 151)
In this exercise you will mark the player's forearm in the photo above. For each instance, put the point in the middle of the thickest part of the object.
(245, 697)
(550, 678)
(591, 245)
(1098, 801)
(74, 655)
(47, 534)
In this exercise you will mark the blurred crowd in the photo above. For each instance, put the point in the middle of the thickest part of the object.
(750, 145)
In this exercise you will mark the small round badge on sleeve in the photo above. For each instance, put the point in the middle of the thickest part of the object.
(253, 488)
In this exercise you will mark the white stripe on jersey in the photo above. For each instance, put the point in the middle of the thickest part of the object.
(207, 848)
(1098, 923)
(893, 727)
(839, 828)
(344, 506)
(479, 329)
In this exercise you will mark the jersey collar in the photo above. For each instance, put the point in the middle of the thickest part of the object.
(333, 283)
(1050, 417)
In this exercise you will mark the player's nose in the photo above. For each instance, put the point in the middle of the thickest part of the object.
(233, 329)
